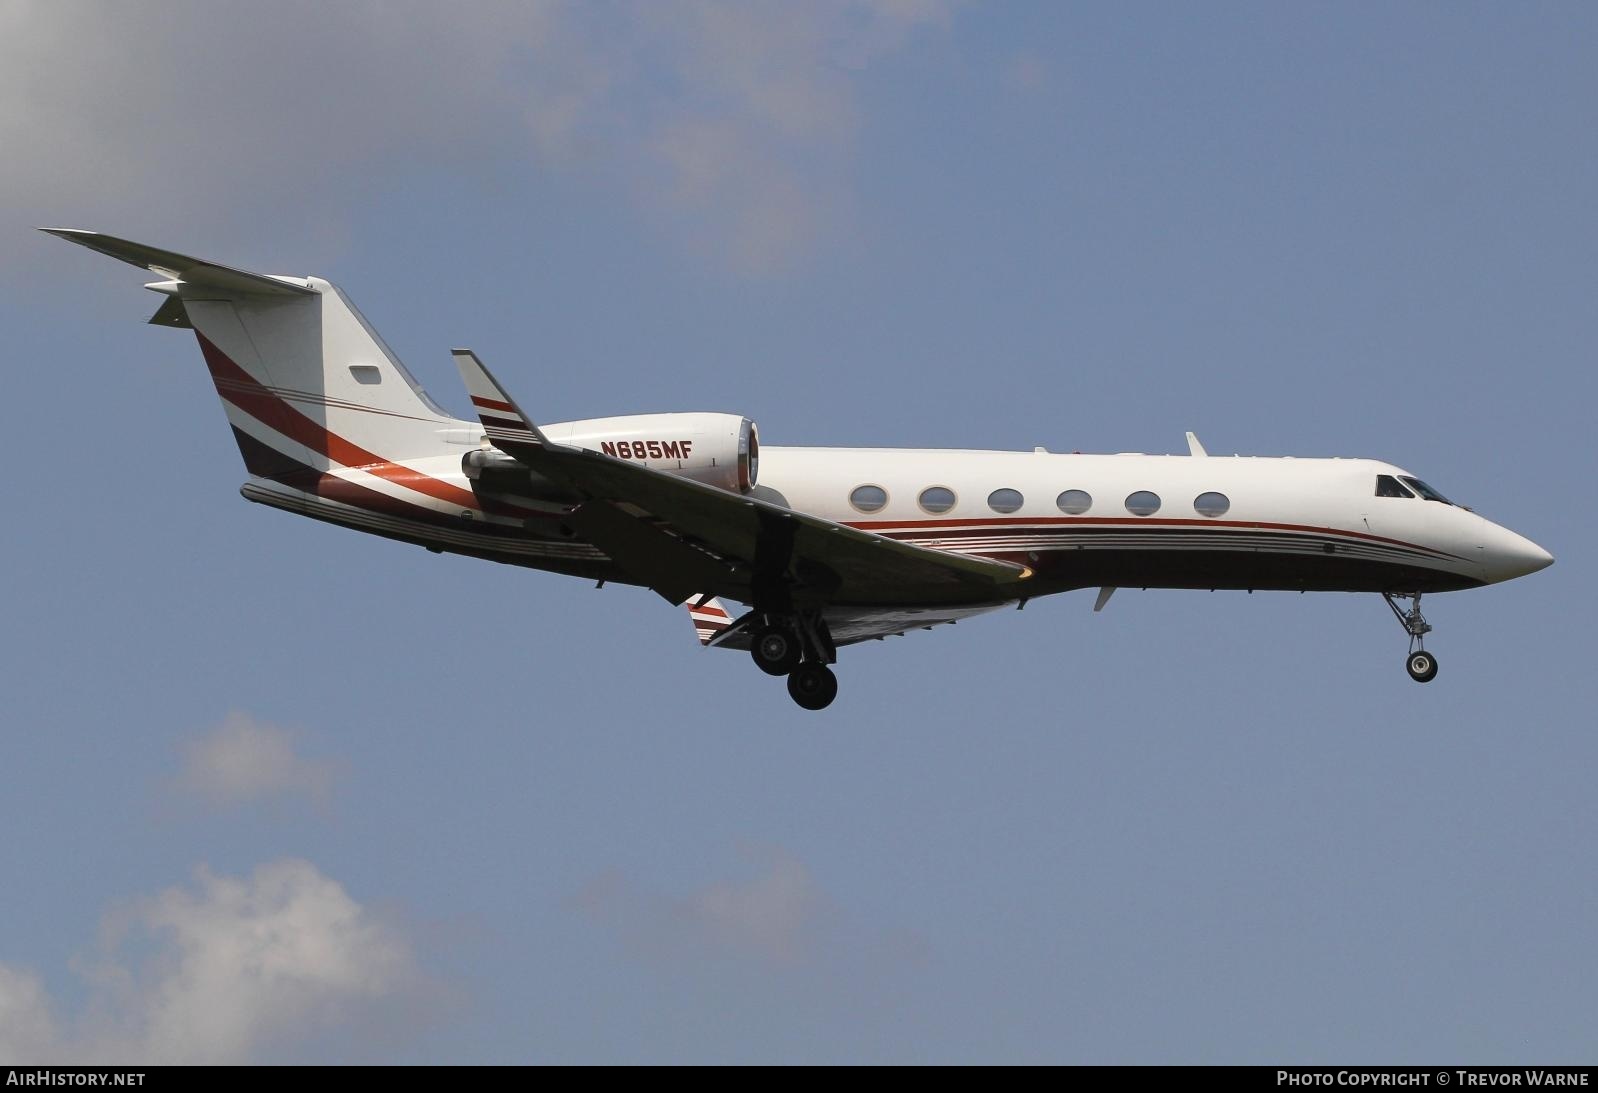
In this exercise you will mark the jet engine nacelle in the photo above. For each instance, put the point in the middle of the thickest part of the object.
(721, 450)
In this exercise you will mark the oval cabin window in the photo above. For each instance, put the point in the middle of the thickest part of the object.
(936, 499)
(869, 498)
(1074, 502)
(1005, 500)
(1211, 504)
(1143, 503)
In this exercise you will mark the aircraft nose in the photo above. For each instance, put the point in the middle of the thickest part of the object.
(1506, 555)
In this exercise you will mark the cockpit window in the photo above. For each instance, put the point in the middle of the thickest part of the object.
(1425, 491)
(1387, 486)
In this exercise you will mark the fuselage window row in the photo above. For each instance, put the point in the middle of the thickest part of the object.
(938, 500)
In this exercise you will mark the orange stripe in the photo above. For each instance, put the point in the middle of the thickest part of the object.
(247, 393)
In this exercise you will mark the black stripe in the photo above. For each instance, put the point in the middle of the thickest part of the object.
(265, 461)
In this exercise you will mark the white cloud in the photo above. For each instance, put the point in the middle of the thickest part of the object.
(774, 913)
(777, 918)
(247, 760)
(227, 971)
(753, 150)
(27, 1030)
(772, 917)
(731, 122)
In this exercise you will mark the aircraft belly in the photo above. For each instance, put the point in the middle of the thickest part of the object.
(473, 537)
(1068, 556)
(1251, 569)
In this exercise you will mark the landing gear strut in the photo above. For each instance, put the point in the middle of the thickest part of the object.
(1422, 665)
(800, 647)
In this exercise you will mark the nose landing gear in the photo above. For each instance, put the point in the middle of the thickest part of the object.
(1422, 665)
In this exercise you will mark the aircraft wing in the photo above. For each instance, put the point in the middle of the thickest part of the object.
(685, 539)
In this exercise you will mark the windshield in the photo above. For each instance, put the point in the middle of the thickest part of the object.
(1424, 490)
(1387, 486)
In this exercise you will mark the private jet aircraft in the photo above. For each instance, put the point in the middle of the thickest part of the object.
(825, 547)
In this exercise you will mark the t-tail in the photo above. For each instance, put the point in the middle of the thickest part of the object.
(308, 386)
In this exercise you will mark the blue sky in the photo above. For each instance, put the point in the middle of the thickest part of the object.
(276, 791)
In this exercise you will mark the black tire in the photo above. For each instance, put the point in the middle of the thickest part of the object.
(813, 686)
(776, 650)
(1422, 666)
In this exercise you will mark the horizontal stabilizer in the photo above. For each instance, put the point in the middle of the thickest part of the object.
(191, 271)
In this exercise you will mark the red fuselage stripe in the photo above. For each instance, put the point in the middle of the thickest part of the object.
(247, 393)
(919, 526)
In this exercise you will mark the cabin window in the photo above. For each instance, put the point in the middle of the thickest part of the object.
(1143, 503)
(869, 498)
(1005, 500)
(937, 499)
(1424, 490)
(1388, 486)
(1074, 502)
(1211, 504)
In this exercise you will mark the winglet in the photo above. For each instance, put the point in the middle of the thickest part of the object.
(507, 427)
(709, 617)
(1194, 448)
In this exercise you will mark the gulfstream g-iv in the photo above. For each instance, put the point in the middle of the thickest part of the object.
(822, 547)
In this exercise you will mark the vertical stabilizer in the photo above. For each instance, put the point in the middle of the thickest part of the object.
(308, 386)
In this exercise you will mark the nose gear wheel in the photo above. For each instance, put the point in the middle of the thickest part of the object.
(1421, 665)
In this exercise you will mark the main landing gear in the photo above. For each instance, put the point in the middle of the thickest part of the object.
(1422, 665)
(799, 648)
(776, 650)
(813, 686)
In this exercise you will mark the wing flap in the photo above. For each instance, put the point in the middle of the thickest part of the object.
(649, 552)
(851, 625)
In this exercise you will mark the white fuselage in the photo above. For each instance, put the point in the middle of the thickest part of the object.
(1298, 524)
(1306, 522)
